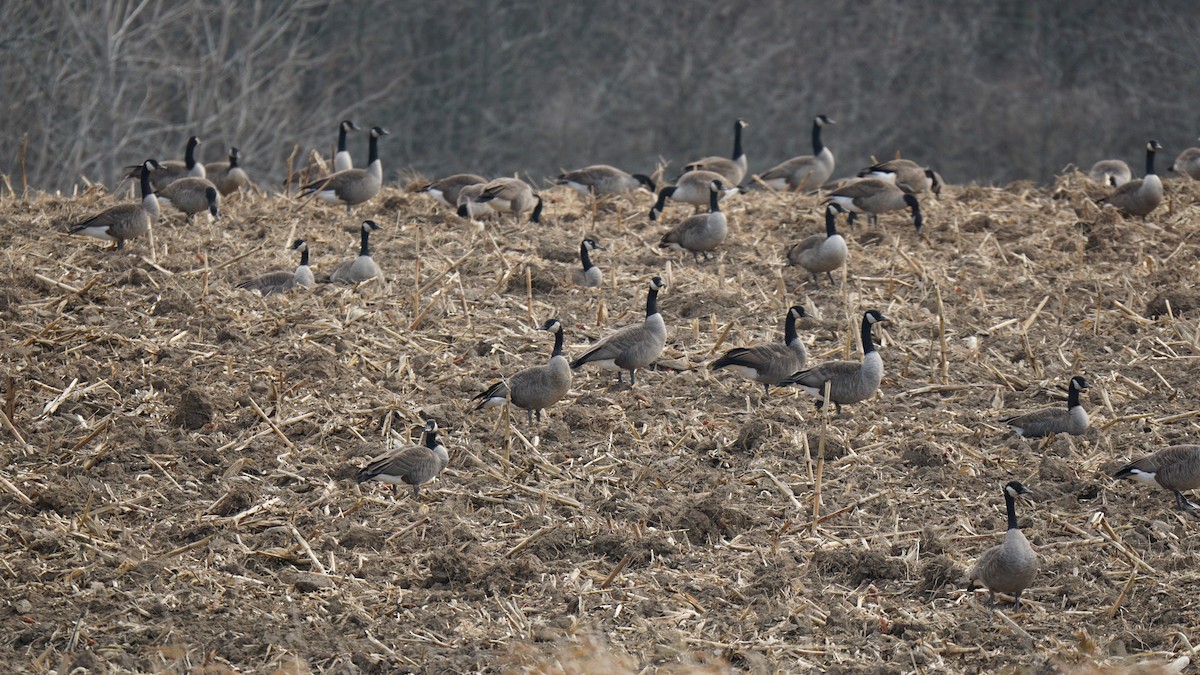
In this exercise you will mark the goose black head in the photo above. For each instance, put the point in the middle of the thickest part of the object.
(823, 120)
(1014, 489)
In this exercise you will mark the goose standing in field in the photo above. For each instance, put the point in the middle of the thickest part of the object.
(692, 187)
(166, 172)
(191, 196)
(358, 270)
(874, 196)
(1011, 566)
(731, 170)
(508, 195)
(1113, 172)
(600, 180)
(631, 347)
(849, 381)
(125, 221)
(821, 252)
(537, 388)
(341, 158)
(229, 177)
(1039, 423)
(805, 173)
(1187, 163)
(703, 232)
(352, 186)
(283, 281)
(1140, 197)
(590, 276)
(414, 465)
(1176, 468)
(446, 190)
(907, 175)
(769, 363)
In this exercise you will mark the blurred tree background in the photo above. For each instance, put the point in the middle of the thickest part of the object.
(983, 90)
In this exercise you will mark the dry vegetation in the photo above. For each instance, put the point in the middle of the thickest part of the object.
(177, 471)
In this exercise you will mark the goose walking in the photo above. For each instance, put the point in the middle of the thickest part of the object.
(771, 363)
(446, 190)
(508, 195)
(537, 388)
(907, 175)
(693, 187)
(873, 196)
(631, 347)
(703, 232)
(849, 381)
(1140, 197)
(125, 221)
(600, 180)
(821, 252)
(358, 270)
(1176, 468)
(413, 465)
(1009, 567)
(805, 173)
(1039, 423)
(351, 187)
(283, 281)
(229, 177)
(732, 170)
(191, 196)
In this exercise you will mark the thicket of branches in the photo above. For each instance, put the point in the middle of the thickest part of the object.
(985, 90)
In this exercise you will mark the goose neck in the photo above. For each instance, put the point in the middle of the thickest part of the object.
(652, 302)
(816, 139)
(558, 343)
(364, 249)
(304, 257)
(373, 150)
(868, 343)
(714, 201)
(146, 186)
(789, 329)
(1011, 506)
(737, 141)
(1150, 161)
(584, 257)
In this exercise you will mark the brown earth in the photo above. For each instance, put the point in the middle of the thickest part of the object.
(178, 473)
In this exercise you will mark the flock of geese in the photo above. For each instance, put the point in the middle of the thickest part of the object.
(896, 185)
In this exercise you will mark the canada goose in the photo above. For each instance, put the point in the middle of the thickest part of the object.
(352, 186)
(908, 176)
(731, 170)
(1176, 468)
(821, 252)
(509, 195)
(1073, 420)
(125, 221)
(599, 180)
(631, 347)
(1114, 172)
(806, 172)
(283, 281)
(358, 270)
(166, 172)
(1187, 163)
(191, 196)
(447, 190)
(411, 464)
(849, 381)
(1009, 567)
(703, 232)
(769, 363)
(873, 196)
(342, 159)
(590, 276)
(1141, 196)
(229, 177)
(693, 188)
(537, 388)
(468, 204)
